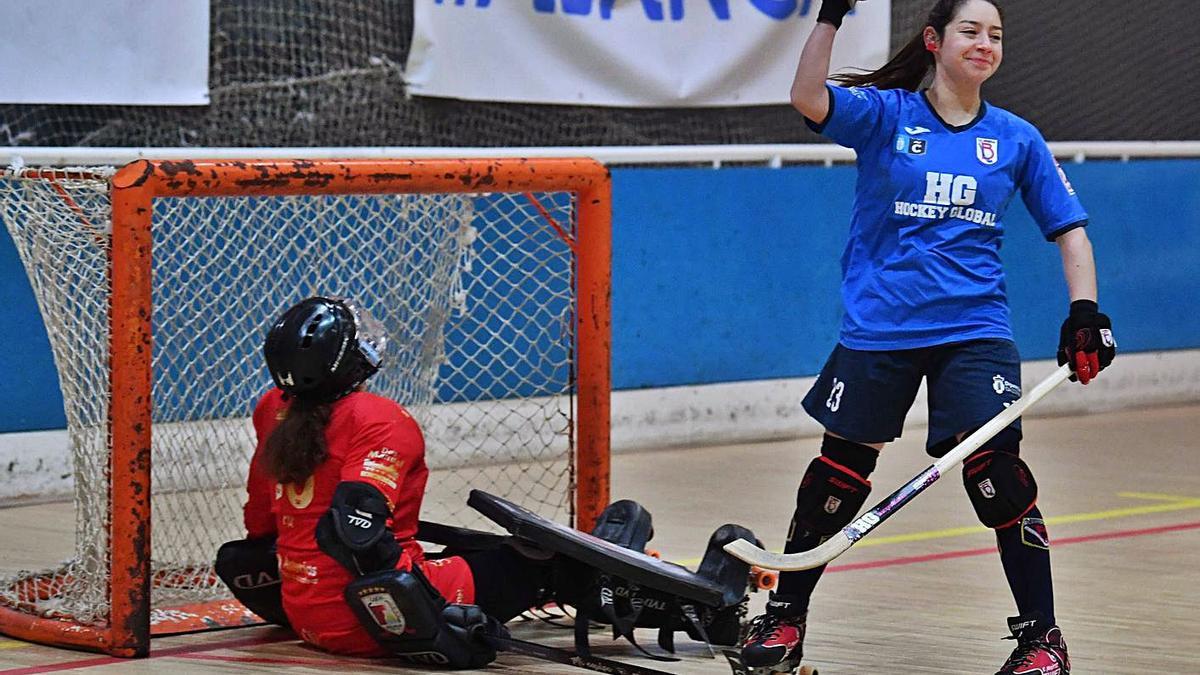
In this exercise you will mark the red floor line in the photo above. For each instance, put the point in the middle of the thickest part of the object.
(154, 654)
(274, 660)
(964, 553)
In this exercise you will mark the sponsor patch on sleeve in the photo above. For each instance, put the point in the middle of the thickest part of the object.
(383, 466)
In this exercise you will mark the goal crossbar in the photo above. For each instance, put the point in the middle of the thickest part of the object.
(133, 191)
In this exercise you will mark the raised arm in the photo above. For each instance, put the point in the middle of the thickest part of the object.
(809, 95)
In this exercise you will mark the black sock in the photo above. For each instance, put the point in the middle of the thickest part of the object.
(795, 588)
(1025, 554)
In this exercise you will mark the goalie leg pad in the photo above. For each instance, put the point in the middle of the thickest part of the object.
(406, 616)
(507, 583)
(625, 523)
(625, 605)
(999, 483)
(587, 553)
(251, 571)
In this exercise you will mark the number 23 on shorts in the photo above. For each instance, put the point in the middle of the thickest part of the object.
(835, 395)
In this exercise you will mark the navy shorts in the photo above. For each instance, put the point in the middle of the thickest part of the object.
(864, 396)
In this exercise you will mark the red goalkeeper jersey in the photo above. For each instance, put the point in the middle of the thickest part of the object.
(370, 439)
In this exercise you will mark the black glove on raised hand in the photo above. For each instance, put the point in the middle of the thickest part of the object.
(1086, 341)
(833, 11)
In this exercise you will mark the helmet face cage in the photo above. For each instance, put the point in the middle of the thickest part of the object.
(370, 338)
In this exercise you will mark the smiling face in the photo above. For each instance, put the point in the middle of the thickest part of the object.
(970, 49)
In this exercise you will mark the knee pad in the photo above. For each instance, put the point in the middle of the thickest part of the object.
(251, 571)
(831, 493)
(408, 617)
(999, 483)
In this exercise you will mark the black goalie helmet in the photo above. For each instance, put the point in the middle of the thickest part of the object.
(322, 348)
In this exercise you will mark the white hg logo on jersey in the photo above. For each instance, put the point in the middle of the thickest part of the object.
(916, 131)
(987, 150)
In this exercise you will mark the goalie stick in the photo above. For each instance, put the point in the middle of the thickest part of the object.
(568, 658)
(840, 542)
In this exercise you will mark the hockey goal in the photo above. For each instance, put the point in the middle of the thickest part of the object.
(157, 282)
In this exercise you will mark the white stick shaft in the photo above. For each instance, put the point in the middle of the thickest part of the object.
(1006, 417)
(840, 542)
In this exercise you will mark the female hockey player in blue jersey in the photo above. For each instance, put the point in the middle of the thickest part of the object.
(924, 297)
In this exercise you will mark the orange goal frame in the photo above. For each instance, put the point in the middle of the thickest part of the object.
(134, 188)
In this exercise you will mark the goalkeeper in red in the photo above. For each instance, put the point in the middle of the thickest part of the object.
(924, 297)
(335, 489)
(333, 498)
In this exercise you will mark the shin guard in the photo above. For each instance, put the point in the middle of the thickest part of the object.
(833, 489)
(251, 571)
(832, 492)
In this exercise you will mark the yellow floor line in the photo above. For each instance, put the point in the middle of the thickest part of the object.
(1175, 504)
(1170, 503)
(10, 644)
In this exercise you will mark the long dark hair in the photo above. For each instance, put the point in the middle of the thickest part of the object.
(912, 63)
(297, 444)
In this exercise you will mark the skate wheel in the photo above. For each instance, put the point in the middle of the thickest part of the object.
(763, 580)
(653, 553)
(805, 670)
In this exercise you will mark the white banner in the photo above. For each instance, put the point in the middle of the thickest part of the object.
(123, 52)
(652, 53)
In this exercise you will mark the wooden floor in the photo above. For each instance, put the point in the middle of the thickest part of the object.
(923, 594)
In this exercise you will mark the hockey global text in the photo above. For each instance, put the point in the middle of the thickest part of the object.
(948, 196)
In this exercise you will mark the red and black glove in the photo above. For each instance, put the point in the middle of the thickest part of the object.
(1086, 341)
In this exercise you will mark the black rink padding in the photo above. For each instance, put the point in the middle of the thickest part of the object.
(633, 566)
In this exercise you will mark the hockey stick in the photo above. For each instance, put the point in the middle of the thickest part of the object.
(556, 655)
(838, 543)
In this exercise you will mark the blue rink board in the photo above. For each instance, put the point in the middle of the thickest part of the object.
(732, 275)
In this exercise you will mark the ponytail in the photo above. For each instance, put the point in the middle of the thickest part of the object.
(296, 447)
(910, 65)
(906, 70)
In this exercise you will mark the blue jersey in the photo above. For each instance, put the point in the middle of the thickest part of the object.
(922, 263)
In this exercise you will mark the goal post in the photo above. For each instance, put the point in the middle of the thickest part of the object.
(493, 276)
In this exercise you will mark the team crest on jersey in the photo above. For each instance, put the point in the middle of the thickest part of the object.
(987, 150)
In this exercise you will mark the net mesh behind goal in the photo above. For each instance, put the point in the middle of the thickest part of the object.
(476, 290)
